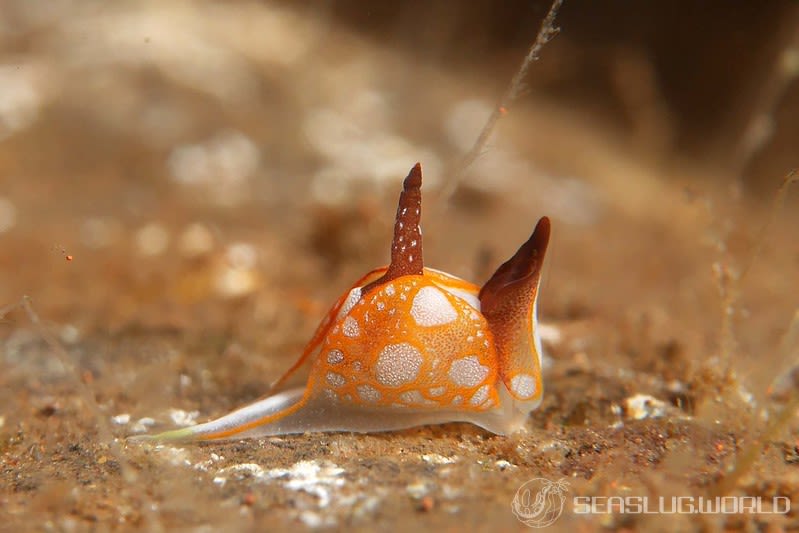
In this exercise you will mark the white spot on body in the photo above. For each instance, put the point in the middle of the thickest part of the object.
(480, 396)
(330, 395)
(350, 327)
(368, 393)
(335, 380)
(437, 391)
(398, 364)
(414, 397)
(335, 356)
(467, 372)
(389, 290)
(457, 400)
(380, 306)
(524, 385)
(464, 295)
(432, 308)
(349, 303)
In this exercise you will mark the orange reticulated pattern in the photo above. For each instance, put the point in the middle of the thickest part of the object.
(410, 343)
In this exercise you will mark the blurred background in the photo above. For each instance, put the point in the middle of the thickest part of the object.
(187, 186)
(712, 83)
(248, 153)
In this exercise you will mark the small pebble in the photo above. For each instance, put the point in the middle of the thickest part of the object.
(643, 406)
(502, 464)
(426, 504)
(121, 419)
(417, 490)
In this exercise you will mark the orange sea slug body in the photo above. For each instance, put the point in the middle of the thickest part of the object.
(409, 345)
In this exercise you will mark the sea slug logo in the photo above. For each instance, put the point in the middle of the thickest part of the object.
(539, 502)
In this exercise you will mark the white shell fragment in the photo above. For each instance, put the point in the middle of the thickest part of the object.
(643, 406)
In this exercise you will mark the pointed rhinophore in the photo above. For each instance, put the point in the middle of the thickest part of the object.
(508, 302)
(406, 247)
